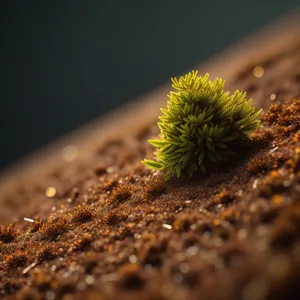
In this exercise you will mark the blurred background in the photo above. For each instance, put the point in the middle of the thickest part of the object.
(65, 63)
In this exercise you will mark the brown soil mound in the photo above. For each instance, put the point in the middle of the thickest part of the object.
(89, 221)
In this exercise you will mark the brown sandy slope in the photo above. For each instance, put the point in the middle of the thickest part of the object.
(114, 230)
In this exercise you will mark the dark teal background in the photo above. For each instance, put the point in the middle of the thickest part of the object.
(64, 63)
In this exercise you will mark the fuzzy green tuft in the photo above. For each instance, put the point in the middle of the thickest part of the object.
(199, 125)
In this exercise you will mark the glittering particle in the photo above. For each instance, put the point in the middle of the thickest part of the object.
(254, 185)
(277, 199)
(184, 268)
(137, 236)
(273, 150)
(287, 183)
(274, 173)
(133, 259)
(167, 226)
(110, 170)
(216, 222)
(50, 191)
(28, 220)
(239, 193)
(69, 153)
(31, 266)
(50, 295)
(258, 71)
(89, 279)
(253, 207)
(193, 250)
(273, 97)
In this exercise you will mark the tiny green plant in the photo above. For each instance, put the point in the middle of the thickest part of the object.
(200, 124)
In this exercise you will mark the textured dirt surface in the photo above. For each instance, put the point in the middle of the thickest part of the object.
(88, 221)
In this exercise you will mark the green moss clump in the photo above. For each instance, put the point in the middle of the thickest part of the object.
(199, 125)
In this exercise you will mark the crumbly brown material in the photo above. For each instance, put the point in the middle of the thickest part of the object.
(89, 221)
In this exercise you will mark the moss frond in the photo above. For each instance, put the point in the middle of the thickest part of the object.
(199, 125)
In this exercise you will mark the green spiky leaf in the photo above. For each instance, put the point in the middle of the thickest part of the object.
(199, 125)
(152, 164)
